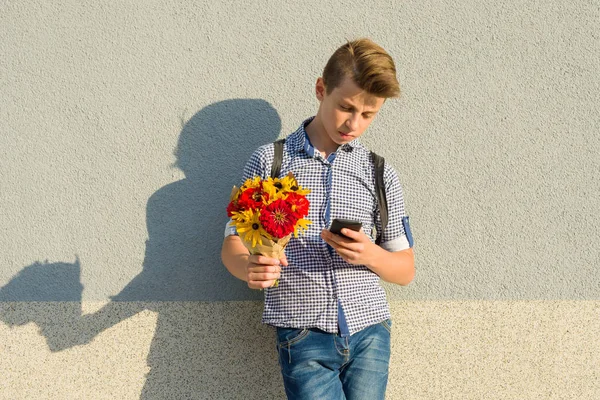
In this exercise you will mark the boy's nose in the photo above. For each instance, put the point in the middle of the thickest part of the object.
(352, 123)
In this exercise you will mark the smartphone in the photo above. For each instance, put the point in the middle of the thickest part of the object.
(338, 224)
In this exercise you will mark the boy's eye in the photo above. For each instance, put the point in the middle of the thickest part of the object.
(345, 108)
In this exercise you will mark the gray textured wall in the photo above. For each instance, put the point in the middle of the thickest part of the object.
(123, 127)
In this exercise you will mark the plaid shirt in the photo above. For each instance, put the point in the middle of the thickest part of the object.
(318, 289)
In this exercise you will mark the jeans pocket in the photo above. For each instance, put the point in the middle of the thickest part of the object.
(387, 324)
(287, 337)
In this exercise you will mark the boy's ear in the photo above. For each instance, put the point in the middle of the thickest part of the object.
(320, 89)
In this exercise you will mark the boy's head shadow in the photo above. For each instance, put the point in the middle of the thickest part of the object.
(216, 142)
(47, 294)
(186, 219)
(45, 281)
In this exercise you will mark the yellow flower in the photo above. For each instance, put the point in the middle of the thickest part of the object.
(301, 224)
(251, 183)
(238, 217)
(275, 188)
(278, 188)
(250, 224)
(292, 184)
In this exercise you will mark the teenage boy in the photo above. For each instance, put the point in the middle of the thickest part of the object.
(329, 309)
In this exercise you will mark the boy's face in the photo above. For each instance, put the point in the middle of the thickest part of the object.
(347, 111)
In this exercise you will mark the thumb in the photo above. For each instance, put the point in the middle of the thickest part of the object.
(283, 260)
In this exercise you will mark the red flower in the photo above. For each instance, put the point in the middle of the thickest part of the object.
(278, 219)
(232, 206)
(299, 204)
(252, 198)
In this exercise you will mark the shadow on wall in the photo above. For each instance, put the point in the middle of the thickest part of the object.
(196, 346)
(186, 219)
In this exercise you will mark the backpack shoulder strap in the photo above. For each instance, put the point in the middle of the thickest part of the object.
(277, 158)
(379, 164)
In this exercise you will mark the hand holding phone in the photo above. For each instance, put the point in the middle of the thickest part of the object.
(337, 224)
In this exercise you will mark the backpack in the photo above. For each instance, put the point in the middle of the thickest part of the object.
(378, 163)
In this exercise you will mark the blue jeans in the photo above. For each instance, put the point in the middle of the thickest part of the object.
(326, 366)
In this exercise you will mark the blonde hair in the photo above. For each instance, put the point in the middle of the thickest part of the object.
(367, 64)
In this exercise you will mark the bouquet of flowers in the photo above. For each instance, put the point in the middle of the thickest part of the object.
(266, 212)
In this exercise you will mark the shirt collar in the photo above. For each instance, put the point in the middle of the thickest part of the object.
(301, 142)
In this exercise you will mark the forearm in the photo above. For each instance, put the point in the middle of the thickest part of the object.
(235, 257)
(395, 267)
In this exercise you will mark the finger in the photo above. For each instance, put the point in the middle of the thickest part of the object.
(254, 277)
(353, 246)
(347, 255)
(340, 242)
(329, 241)
(264, 269)
(337, 246)
(261, 284)
(263, 260)
(283, 261)
(268, 260)
(354, 235)
(329, 237)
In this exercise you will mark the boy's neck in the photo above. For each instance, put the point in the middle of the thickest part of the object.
(319, 138)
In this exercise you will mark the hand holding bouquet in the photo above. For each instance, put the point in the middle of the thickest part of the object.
(266, 212)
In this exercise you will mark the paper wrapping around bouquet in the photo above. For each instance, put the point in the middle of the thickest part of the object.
(269, 248)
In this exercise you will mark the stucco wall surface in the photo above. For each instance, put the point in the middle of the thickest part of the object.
(123, 126)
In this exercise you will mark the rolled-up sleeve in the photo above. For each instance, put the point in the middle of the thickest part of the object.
(397, 235)
(230, 229)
